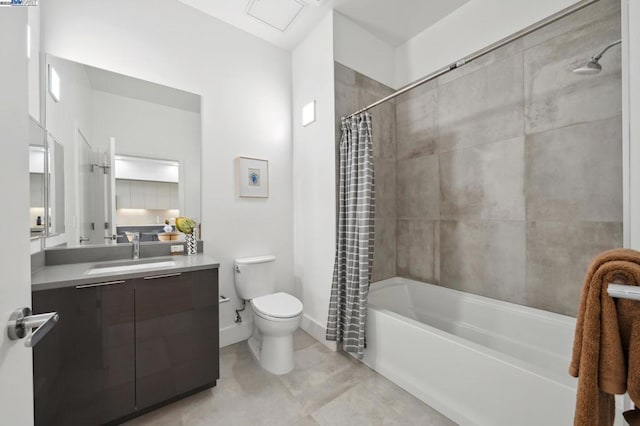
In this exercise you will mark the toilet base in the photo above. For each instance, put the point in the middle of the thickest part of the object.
(275, 354)
(254, 348)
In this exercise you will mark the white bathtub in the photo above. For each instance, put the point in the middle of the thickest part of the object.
(479, 361)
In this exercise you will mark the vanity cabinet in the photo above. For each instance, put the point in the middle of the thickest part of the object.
(84, 369)
(125, 346)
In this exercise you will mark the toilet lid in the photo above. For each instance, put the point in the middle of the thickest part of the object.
(277, 305)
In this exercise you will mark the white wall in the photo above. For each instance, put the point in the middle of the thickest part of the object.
(314, 176)
(360, 50)
(468, 29)
(63, 118)
(245, 84)
(147, 129)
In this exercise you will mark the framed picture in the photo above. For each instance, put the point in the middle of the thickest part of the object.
(252, 177)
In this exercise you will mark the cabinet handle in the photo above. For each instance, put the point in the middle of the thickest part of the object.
(100, 284)
(155, 277)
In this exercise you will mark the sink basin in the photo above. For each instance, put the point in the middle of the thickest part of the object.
(131, 265)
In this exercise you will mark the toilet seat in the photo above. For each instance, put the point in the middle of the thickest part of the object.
(277, 305)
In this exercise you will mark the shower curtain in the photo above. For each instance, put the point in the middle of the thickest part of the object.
(354, 250)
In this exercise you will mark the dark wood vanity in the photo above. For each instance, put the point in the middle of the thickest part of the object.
(124, 346)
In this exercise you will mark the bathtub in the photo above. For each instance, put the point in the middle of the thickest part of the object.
(479, 361)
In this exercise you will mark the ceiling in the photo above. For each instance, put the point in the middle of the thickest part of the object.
(286, 22)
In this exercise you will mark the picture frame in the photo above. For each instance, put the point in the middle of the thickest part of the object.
(252, 177)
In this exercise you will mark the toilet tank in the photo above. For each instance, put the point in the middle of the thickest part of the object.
(255, 276)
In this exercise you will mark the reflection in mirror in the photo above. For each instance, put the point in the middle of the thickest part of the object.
(36, 179)
(147, 193)
(132, 154)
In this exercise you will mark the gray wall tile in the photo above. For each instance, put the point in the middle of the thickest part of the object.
(503, 180)
(384, 255)
(575, 21)
(484, 257)
(383, 130)
(417, 122)
(418, 194)
(483, 182)
(461, 189)
(558, 254)
(557, 97)
(575, 173)
(482, 107)
(416, 249)
(385, 171)
(497, 55)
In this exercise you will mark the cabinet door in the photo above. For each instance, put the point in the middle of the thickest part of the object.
(123, 194)
(164, 195)
(83, 370)
(150, 195)
(175, 202)
(137, 194)
(176, 335)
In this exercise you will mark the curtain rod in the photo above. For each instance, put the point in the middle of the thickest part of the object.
(458, 64)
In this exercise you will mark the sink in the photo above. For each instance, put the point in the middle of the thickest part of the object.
(131, 265)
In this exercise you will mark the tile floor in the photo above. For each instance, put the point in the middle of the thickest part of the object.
(325, 388)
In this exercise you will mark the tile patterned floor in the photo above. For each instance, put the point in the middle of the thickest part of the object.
(325, 388)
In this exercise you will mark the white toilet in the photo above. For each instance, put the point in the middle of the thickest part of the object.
(277, 315)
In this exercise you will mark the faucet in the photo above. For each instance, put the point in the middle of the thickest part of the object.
(136, 245)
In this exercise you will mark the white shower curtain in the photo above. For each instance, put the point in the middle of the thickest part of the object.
(354, 251)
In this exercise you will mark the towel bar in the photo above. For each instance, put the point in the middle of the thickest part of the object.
(623, 291)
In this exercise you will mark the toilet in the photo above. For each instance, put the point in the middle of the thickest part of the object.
(276, 315)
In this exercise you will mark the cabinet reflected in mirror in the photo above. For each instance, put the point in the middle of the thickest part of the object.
(132, 153)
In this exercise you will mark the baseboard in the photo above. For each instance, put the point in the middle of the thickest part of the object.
(235, 333)
(317, 331)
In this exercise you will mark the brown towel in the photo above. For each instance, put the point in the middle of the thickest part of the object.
(606, 343)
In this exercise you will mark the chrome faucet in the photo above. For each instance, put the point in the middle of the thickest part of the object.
(136, 245)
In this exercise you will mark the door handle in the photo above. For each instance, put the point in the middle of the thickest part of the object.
(21, 322)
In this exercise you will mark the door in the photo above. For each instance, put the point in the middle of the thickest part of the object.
(16, 387)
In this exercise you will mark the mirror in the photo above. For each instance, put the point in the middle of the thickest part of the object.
(124, 155)
(36, 179)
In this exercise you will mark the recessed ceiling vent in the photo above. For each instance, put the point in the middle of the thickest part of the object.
(278, 14)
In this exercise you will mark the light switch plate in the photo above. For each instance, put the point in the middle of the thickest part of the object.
(177, 249)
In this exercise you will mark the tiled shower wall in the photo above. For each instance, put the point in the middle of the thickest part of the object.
(352, 91)
(508, 172)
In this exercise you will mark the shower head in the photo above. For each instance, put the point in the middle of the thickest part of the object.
(593, 67)
(590, 68)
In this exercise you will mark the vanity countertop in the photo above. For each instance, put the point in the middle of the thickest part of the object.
(60, 276)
